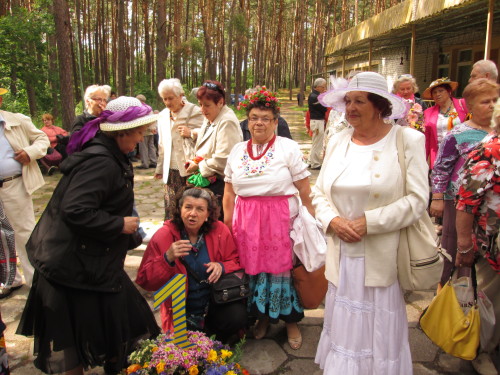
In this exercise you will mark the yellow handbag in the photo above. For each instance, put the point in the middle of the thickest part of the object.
(445, 323)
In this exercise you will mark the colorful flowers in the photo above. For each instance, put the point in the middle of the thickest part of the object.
(206, 357)
(414, 117)
(263, 97)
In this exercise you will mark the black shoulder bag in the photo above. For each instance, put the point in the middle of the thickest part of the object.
(230, 287)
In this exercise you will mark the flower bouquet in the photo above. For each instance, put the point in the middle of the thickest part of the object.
(414, 117)
(206, 357)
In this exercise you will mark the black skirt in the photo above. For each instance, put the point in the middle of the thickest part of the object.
(74, 327)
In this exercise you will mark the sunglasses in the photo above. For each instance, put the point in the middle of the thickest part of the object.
(405, 76)
(213, 86)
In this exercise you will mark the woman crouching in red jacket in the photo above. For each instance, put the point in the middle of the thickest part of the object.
(194, 237)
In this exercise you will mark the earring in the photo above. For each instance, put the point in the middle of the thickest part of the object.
(206, 219)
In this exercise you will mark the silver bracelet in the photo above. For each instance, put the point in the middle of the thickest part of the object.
(465, 251)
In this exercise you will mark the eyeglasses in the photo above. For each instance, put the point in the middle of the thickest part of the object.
(100, 100)
(264, 120)
(405, 76)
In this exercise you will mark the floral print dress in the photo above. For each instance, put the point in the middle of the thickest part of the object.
(479, 194)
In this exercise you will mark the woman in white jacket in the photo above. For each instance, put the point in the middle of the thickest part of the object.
(178, 125)
(359, 199)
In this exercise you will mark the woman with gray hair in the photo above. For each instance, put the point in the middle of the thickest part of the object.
(478, 220)
(405, 87)
(178, 125)
(96, 97)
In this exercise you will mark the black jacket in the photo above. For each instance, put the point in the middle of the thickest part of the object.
(316, 110)
(81, 120)
(78, 241)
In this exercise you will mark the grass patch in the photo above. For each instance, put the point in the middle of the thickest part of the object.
(298, 109)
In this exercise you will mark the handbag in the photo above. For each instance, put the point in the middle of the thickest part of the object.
(311, 287)
(231, 286)
(446, 324)
(419, 261)
(309, 243)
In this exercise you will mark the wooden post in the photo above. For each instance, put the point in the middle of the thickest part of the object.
(370, 55)
(412, 49)
(489, 26)
(343, 65)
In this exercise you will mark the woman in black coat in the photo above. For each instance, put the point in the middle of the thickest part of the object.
(83, 309)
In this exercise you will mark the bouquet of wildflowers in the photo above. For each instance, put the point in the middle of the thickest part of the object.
(206, 357)
(269, 99)
(414, 117)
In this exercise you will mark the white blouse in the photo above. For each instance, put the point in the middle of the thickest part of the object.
(271, 175)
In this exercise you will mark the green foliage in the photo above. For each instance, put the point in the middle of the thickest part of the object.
(238, 351)
(23, 57)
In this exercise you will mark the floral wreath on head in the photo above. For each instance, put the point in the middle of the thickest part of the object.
(263, 96)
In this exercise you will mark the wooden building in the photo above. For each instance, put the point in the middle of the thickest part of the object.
(427, 38)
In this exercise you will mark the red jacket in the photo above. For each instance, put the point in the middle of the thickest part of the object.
(155, 271)
(431, 116)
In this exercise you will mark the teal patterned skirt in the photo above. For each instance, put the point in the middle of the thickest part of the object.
(274, 295)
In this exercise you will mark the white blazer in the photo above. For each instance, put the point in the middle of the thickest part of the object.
(23, 135)
(387, 209)
(171, 145)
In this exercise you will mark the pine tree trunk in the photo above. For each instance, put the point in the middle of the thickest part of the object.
(161, 41)
(63, 34)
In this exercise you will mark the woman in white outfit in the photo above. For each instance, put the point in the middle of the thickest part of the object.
(359, 199)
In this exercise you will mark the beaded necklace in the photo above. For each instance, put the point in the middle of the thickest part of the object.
(260, 154)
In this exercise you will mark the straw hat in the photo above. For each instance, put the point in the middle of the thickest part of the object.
(368, 82)
(3, 91)
(439, 82)
(122, 104)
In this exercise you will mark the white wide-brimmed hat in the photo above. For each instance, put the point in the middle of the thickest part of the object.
(368, 82)
(140, 114)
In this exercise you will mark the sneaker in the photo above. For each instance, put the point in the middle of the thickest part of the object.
(484, 365)
(142, 167)
(152, 165)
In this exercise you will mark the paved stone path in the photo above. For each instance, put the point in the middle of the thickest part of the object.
(269, 356)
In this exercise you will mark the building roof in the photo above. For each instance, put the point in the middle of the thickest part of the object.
(392, 27)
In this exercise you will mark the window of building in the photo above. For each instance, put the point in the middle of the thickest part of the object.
(464, 67)
(443, 65)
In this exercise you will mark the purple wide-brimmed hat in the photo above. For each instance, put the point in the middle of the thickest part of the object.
(368, 82)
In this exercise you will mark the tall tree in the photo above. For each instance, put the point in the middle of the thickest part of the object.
(121, 53)
(64, 57)
(161, 40)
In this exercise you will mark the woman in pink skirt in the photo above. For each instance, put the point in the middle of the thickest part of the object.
(264, 177)
(359, 200)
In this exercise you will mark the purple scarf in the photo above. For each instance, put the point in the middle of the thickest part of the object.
(91, 128)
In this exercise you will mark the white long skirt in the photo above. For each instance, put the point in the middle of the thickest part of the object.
(365, 329)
